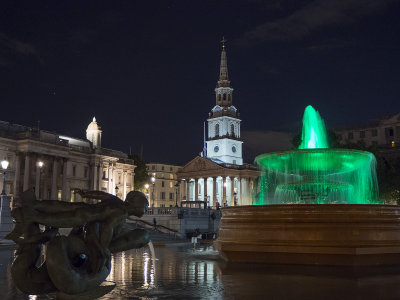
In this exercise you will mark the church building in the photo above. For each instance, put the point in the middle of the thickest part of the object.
(219, 177)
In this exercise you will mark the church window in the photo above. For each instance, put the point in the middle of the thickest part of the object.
(216, 149)
(217, 130)
(224, 96)
(232, 129)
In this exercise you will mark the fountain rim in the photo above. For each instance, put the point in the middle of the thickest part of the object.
(312, 150)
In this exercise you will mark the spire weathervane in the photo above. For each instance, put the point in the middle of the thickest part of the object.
(223, 43)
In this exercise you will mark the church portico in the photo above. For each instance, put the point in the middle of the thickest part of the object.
(199, 182)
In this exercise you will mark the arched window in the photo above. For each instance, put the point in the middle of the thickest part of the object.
(219, 97)
(217, 130)
(224, 96)
(232, 129)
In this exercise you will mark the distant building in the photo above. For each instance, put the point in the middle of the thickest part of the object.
(67, 163)
(164, 191)
(383, 134)
(219, 177)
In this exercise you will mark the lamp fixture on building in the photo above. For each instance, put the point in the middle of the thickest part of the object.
(4, 166)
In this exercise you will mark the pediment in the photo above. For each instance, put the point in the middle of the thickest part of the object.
(200, 164)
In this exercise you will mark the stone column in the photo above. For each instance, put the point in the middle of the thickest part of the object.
(54, 190)
(109, 178)
(64, 192)
(214, 191)
(196, 189)
(205, 190)
(37, 184)
(100, 172)
(223, 191)
(16, 178)
(186, 189)
(133, 180)
(95, 180)
(26, 172)
(124, 184)
(232, 191)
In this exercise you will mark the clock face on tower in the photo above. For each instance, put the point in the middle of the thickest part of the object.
(233, 149)
(216, 149)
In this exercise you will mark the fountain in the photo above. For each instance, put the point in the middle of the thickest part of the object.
(315, 174)
(314, 205)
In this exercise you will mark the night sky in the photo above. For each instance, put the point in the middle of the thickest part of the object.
(147, 69)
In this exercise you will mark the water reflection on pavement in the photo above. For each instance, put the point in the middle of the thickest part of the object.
(187, 273)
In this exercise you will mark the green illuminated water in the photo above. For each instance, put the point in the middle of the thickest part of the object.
(313, 134)
(315, 174)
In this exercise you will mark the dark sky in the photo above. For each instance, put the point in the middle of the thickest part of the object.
(147, 69)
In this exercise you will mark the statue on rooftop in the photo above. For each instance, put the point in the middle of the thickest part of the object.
(80, 261)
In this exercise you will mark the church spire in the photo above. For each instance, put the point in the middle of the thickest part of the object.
(223, 91)
(223, 69)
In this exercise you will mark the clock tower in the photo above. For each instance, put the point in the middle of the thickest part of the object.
(223, 144)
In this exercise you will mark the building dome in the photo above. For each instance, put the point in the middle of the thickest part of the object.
(93, 133)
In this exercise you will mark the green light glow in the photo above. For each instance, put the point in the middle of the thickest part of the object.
(314, 132)
(315, 174)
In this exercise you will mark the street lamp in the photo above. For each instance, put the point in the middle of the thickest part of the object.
(116, 190)
(176, 191)
(4, 166)
(40, 165)
(153, 182)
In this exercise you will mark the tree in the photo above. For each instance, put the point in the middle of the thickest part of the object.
(141, 175)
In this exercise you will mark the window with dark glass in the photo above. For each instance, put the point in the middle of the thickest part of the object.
(362, 134)
(217, 130)
(232, 129)
(350, 135)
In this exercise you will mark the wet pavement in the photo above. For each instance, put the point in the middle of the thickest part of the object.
(181, 272)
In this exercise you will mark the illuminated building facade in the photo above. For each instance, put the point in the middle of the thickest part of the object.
(68, 163)
(164, 191)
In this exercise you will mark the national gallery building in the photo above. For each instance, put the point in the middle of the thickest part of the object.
(56, 165)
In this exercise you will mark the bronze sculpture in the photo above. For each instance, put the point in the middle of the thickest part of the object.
(82, 260)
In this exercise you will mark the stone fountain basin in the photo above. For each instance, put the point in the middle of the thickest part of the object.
(305, 161)
(322, 234)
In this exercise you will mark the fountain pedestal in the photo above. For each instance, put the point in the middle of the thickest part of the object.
(336, 234)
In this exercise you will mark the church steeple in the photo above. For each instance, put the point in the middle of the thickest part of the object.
(223, 90)
(223, 143)
(223, 69)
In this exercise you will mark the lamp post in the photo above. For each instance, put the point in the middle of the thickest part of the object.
(176, 196)
(153, 182)
(4, 166)
(116, 190)
(40, 165)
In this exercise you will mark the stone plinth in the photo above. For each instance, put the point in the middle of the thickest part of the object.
(337, 234)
